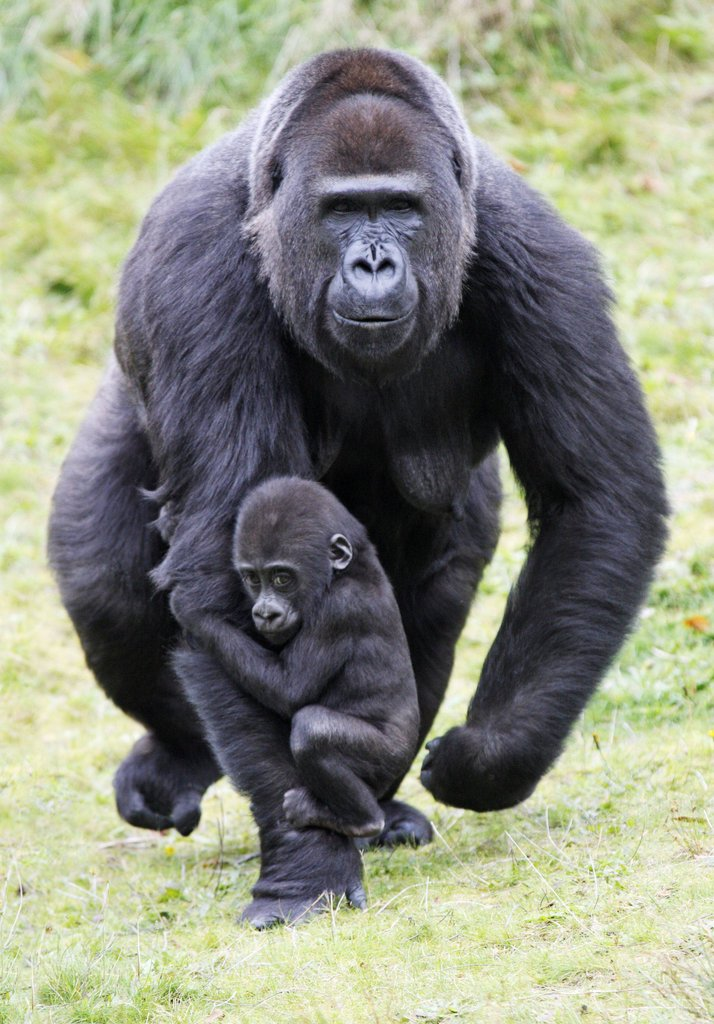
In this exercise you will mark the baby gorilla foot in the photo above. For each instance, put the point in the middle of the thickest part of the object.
(302, 873)
(303, 810)
(157, 788)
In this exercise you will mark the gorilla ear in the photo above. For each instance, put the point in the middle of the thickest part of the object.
(276, 176)
(456, 164)
(340, 551)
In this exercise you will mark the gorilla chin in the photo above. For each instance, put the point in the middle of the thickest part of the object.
(282, 636)
(376, 350)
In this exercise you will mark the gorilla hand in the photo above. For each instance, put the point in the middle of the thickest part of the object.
(483, 770)
(157, 788)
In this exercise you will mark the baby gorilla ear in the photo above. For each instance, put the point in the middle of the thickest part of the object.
(340, 551)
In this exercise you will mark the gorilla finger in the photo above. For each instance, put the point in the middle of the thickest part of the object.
(357, 897)
(428, 762)
(186, 814)
(134, 810)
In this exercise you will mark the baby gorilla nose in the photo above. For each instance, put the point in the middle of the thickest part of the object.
(267, 616)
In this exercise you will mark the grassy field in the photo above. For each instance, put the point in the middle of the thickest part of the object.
(593, 901)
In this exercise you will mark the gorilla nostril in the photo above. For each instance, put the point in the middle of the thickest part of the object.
(360, 268)
(364, 267)
(266, 614)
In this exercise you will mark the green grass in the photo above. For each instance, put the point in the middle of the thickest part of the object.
(593, 900)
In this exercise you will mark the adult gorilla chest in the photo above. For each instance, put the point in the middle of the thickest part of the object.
(410, 445)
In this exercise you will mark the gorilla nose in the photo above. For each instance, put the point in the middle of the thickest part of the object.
(266, 615)
(375, 272)
(373, 264)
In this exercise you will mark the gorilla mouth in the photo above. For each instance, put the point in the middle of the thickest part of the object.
(372, 321)
(278, 637)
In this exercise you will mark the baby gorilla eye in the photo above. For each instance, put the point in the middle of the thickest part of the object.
(251, 579)
(281, 580)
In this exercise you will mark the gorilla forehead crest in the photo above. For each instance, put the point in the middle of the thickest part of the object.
(365, 133)
(340, 74)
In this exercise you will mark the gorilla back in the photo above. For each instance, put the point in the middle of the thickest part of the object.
(350, 288)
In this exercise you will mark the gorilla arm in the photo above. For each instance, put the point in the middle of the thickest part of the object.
(200, 343)
(198, 339)
(571, 415)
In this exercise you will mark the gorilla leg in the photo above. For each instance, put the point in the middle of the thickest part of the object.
(434, 613)
(298, 869)
(101, 547)
(335, 754)
(432, 626)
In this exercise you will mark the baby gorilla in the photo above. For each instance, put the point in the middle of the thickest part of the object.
(339, 664)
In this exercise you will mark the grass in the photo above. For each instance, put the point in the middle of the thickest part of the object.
(591, 901)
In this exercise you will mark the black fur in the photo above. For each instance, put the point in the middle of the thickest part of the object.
(232, 367)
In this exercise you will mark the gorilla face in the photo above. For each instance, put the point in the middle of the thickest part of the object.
(367, 234)
(371, 303)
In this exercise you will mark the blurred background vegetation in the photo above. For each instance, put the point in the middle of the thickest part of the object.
(225, 52)
(591, 901)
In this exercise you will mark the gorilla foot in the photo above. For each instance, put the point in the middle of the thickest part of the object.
(157, 788)
(265, 913)
(482, 770)
(403, 826)
(301, 873)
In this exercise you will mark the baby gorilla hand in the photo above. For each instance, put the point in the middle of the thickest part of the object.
(481, 770)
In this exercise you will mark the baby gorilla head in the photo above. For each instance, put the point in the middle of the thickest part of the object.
(290, 540)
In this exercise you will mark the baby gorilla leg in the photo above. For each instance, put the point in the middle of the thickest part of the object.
(334, 753)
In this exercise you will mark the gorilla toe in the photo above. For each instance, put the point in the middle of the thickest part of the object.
(265, 912)
(301, 873)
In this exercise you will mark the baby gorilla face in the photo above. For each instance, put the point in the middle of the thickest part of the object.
(275, 591)
(287, 552)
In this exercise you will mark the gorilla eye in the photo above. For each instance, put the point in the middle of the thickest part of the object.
(281, 580)
(341, 206)
(251, 579)
(401, 205)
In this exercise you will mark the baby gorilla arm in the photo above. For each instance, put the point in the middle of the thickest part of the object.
(259, 672)
(282, 680)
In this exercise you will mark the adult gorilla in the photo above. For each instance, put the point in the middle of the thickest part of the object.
(350, 288)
